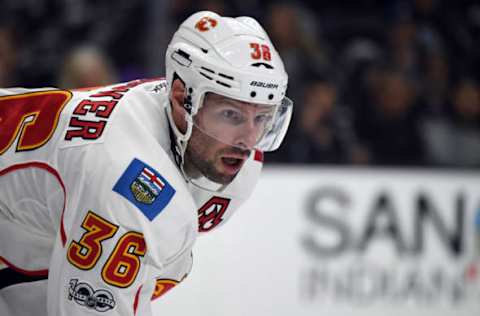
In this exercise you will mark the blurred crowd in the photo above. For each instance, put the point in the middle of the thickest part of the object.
(387, 83)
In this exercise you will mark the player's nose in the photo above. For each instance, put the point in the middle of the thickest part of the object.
(248, 135)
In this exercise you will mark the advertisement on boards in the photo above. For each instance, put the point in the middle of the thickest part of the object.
(342, 242)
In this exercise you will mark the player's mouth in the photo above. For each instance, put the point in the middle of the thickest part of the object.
(233, 163)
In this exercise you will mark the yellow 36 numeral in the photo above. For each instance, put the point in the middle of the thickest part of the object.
(123, 264)
(85, 253)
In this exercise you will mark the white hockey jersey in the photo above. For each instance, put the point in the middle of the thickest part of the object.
(91, 197)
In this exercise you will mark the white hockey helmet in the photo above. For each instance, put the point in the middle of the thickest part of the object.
(234, 58)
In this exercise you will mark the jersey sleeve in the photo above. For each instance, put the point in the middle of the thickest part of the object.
(129, 222)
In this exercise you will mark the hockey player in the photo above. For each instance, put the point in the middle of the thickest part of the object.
(103, 191)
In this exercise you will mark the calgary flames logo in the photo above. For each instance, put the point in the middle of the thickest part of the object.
(210, 214)
(205, 24)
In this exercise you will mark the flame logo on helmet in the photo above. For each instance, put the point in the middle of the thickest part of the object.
(206, 24)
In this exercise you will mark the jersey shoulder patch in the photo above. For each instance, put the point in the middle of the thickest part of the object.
(145, 188)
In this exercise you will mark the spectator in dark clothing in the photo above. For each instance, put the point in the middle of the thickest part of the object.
(323, 132)
(454, 140)
(389, 125)
(8, 57)
(301, 48)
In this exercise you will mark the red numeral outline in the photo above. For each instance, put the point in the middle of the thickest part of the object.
(266, 53)
(256, 54)
(260, 52)
(123, 265)
(32, 115)
(85, 253)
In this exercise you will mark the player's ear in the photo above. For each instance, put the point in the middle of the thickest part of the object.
(177, 98)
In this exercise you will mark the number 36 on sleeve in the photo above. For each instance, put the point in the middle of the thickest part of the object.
(123, 264)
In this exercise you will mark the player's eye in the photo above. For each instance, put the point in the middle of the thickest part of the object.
(263, 118)
(232, 116)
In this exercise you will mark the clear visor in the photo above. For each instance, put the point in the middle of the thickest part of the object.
(244, 125)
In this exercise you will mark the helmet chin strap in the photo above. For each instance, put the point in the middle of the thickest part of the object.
(206, 184)
(179, 140)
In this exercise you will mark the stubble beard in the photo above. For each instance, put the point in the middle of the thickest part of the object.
(198, 164)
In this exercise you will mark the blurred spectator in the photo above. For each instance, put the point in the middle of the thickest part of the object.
(427, 42)
(217, 6)
(86, 66)
(322, 130)
(473, 29)
(359, 62)
(48, 29)
(389, 124)
(293, 31)
(435, 85)
(403, 48)
(455, 140)
(8, 58)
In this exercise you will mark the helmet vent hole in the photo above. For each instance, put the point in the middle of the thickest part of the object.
(206, 76)
(223, 84)
(253, 94)
(208, 69)
(183, 53)
(270, 96)
(182, 58)
(226, 76)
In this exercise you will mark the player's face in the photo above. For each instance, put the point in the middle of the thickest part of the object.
(224, 133)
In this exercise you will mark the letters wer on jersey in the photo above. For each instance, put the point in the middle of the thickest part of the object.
(145, 188)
